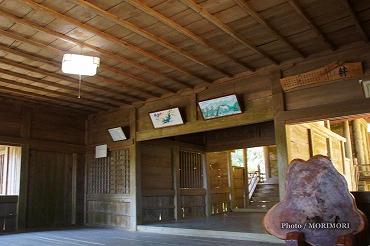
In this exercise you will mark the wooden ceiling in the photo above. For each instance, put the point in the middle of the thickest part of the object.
(153, 48)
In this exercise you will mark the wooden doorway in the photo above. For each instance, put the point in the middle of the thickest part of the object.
(10, 167)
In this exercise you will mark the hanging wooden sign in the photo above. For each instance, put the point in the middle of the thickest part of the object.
(327, 73)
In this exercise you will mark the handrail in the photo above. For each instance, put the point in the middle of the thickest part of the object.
(252, 183)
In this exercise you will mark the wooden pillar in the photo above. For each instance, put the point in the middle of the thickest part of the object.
(230, 179)
(267, 162)
(23, 185)
(357, 133)
(176, 179)
(135, 175)
(246, 188)
(348, 145)
(74, 187)
(278, 105)
(206, 185)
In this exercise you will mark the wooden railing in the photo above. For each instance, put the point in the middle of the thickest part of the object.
(362, 174)
(253, 179)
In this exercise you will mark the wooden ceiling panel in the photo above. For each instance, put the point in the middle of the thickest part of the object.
(214, 7)
(231, 14)
(361, 5)
(124, 10)
(168, 8)
(61, 26)
(106, 4)
(364, 15)
(15, 7)
(345, 36)
(149, 48)
(58, 5)
(261, 5)
(80, 34)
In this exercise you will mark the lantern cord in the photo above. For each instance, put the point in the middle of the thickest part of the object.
(80, 78)
(79, 86)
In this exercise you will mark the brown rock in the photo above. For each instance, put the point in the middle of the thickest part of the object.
(317, 202)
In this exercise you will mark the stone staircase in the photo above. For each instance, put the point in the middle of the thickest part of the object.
(264, 197)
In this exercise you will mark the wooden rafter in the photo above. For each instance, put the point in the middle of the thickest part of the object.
(58, 65)
(358, 25)
(42, 98)
(245, 6)
(44, 72)
(186, 32)
(58, 86)
(150, 36)
(218, 23)
(104, 52)
(310, 23)
(63, 95)
(109, 37)
(62, 52)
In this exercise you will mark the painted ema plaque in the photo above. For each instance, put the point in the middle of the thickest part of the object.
(165, 118)
(219, 107)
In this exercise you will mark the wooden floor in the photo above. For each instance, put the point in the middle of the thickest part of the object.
(233, 222)
(110, 237)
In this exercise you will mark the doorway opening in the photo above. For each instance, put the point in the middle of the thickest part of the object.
(10, 168)
(204, 180)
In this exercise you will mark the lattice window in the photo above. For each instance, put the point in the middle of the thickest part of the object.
(191, 175)
(110, 175)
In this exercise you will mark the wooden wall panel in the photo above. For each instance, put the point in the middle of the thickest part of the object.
(98, 125)
(261, 134)
(238, 187)
(52, 135)
(157, 181)
(49, 189)
(298, 142)
(218, 181)
(309, 139)
(108, 181)
(255, 99)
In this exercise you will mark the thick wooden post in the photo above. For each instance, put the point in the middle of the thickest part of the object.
(231, 183)
(176, 179)
(23, 186)
(206, 185)
(347, 145)
(246, 190)
(359, 143)
(278, 105)
(135, 175)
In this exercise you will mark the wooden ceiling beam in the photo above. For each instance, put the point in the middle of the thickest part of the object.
(184, 31)
(245, 6)
(348, 5)
(311, 23)
(39, 97)
(148, 35)
(114, 101)
(58, 86)
(65, 97)
(104, 52)
(62, 52)
(111, 38)
(58, 65)
(222, 26)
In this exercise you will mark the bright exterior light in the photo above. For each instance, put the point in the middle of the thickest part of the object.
(368, 127)
(80, 64)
